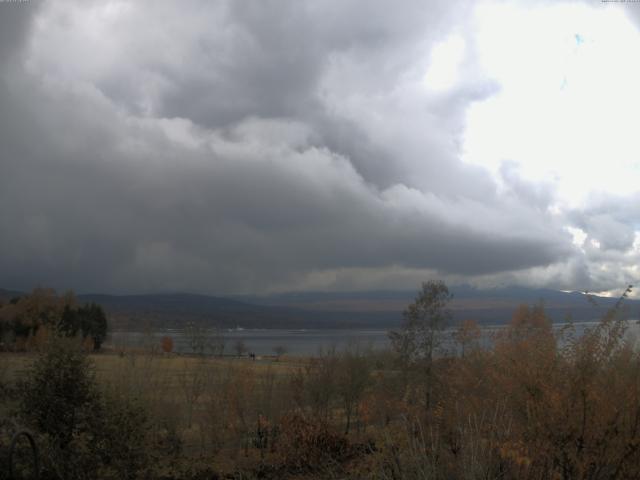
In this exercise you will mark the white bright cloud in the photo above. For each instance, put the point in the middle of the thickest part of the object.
(569, 100)
(444, 66)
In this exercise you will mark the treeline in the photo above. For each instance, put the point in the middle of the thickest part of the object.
(27, 321)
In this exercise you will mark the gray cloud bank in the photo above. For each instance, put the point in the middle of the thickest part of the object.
(233, 147)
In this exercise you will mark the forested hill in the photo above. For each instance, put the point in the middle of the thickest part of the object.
(488, 306)
(382, 309)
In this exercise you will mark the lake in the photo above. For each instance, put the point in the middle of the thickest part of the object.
(296, 342)
(262, 341)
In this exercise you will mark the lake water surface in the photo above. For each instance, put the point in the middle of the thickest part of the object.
(296, 342)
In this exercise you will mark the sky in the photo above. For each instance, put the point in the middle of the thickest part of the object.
(254, 147)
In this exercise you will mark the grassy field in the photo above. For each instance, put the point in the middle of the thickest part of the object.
(206, 406)
(111, 366)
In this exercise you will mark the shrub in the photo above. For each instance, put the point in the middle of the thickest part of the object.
(121, 438)
(166, 344)
(83, 433)
(305, 444)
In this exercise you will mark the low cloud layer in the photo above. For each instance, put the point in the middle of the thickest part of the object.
(219, 147)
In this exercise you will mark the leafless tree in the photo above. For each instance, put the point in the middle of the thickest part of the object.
(421, 334)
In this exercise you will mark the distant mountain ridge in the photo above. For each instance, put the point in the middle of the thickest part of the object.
(487, 306)
(368, 309)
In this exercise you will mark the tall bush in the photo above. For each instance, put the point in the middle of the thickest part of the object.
(83, 433)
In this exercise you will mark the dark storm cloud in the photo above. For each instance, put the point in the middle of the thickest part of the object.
(289, 60)
(15, 20)
(270, 57)
(220, 148)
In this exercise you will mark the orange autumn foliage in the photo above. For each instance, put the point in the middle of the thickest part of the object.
(166, 343)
